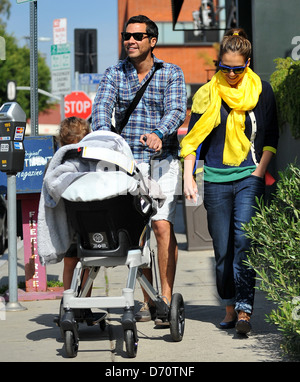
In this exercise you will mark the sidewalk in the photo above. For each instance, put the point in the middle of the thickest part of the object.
(31, 335)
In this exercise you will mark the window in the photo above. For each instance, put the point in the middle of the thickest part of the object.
(184, 34)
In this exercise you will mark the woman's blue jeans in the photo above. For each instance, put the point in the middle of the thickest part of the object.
(229, 205)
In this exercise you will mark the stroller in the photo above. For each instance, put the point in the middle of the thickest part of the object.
(109, 208)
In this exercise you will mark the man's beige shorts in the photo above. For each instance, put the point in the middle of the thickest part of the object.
(167, 173)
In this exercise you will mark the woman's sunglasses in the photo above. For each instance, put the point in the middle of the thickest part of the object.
(235, 69)
(138, 36)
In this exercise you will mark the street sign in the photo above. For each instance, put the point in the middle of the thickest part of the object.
(24, 1)
(89, 78)
(61, 82)
(60, 57)
(60, 31)
(78, 104)
(61, 68)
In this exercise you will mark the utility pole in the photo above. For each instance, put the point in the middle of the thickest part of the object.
(34, 101)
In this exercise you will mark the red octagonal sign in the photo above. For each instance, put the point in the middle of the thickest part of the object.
(78, 104)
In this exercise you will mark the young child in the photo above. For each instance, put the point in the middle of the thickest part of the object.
(72, 130)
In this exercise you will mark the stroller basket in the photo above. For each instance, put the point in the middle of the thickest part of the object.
(109, 227)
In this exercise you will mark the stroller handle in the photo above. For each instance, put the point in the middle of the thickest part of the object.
(154, 156)
(157, 154)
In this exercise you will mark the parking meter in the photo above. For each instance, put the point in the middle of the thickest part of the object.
(12, 155)
(12, 132)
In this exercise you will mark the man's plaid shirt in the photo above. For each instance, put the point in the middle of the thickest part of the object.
(162, 107)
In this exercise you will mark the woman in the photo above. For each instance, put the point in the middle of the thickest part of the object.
(234, 127)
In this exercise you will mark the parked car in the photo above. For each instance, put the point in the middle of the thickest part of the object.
(3, 225)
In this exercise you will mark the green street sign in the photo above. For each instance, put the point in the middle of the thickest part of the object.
(24, 1)
(61, 68)
(60, 49)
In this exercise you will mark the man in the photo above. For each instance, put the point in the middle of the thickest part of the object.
(152, 126)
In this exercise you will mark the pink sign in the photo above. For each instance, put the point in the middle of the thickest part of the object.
(60, 31)
(35, 273)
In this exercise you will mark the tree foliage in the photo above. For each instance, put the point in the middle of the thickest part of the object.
(16, 67)
(286, 85)
(4, 9)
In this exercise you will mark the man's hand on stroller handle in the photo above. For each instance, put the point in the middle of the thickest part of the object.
(152, 141)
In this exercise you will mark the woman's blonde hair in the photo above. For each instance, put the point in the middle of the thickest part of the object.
(236, 40)
(72, 130)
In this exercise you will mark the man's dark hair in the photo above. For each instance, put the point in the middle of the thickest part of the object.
(151, 27)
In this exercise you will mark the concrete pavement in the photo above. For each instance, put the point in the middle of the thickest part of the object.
(31, 335)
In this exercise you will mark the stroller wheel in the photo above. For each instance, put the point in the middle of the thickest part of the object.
(71, 344)
(177, 317)
(131, 343)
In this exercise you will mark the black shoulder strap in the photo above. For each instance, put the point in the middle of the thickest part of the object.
(135, 101)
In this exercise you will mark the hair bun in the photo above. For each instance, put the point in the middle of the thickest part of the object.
(235, 40)
(236, 32)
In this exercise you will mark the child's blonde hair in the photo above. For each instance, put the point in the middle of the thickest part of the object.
(72, 130)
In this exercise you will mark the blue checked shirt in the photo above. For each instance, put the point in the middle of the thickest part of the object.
(161, 109)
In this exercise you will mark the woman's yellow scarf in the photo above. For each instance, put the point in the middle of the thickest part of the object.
(207, 101)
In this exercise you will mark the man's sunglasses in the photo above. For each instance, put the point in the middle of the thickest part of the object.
(138, 36)
(235, 69)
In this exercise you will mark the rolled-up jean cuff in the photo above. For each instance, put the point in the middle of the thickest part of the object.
(228, 301)
(247, 308)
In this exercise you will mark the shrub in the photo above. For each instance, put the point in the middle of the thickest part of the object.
(275, 254)
(285, 82)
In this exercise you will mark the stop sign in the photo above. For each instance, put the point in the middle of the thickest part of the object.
(78, 104)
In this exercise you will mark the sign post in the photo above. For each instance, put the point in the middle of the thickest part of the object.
(34, 99)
